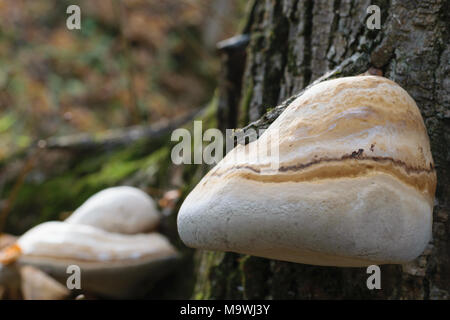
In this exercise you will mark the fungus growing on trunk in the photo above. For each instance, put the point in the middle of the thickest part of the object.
(112, 265)
(104, 238)
(119, 209)
(354, 186)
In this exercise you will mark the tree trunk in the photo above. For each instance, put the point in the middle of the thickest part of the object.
(293, 43)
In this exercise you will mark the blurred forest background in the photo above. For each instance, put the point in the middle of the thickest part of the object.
(132, 62)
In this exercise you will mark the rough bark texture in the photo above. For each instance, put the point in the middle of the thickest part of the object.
(293, 43)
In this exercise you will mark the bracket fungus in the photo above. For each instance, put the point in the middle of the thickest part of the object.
(119, 209)
(105, 238)
(354, 187)
(112, 264)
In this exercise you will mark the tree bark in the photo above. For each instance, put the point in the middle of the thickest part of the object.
(293, 43)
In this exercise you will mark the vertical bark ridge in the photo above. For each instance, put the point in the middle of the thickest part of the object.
(323, 15)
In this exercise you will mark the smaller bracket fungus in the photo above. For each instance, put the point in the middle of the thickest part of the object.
(354, 187)
(119, 209)
(112, 265)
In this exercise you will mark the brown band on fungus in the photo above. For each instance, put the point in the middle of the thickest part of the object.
(356, 155)
(422, 179)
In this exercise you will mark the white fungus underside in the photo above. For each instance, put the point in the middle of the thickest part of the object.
(344, 222)
(82, 242)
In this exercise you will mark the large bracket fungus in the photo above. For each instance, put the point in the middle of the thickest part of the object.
(354, 187)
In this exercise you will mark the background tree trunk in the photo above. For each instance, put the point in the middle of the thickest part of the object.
(293, 43)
